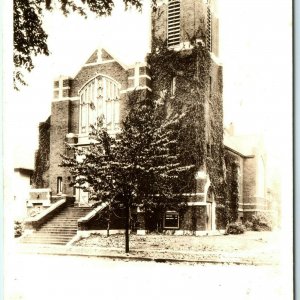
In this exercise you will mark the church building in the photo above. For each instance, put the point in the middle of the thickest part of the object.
(103, 84)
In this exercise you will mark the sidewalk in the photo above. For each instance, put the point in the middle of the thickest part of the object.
(158, 255)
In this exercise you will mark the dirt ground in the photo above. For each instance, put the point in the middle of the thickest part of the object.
(251, 246)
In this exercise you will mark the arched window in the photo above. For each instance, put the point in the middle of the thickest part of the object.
(100, 98)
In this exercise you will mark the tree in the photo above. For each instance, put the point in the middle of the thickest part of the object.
(30, 38)
(139, 167)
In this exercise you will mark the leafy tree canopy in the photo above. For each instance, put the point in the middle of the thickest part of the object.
(139, 167)
(30, 38)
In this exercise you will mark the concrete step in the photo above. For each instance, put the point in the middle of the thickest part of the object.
(72, 216)
(78, 210)
(60, 224)
(67, 217)
(73, 213)
(44, 241)
(45, 234)
(54, 234)
(45, 238)
(41, 240)
(63, 220)
(48, 236)
(81, 208)
(60, 229)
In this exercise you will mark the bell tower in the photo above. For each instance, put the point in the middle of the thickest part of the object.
(180, 22)
(190, 79)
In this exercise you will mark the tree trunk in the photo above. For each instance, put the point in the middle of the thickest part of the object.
(127, 227)
(108, 226)
(108, 221)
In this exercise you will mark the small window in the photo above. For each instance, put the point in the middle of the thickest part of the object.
(59, 185)
(239, 173)
(208, 149)
(171, 220)
(173, 86)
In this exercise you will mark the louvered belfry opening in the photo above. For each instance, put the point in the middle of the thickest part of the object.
(208, 33)
(173, 22)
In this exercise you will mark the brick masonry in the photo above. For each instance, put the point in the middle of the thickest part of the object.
(249, 180)
(65, 109)
(252, 194)
(60, 124)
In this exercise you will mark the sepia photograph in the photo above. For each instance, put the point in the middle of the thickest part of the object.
(148, 149)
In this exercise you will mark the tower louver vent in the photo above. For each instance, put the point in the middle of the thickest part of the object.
(173, 23)
(208, 33)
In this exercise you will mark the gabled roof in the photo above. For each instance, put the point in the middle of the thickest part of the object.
(245, 145)
(99, 55)
(24, 171)
(102, 55)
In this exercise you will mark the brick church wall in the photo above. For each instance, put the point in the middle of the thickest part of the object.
(74, 116)
(249, 181)
(60, 124)
(112, 69)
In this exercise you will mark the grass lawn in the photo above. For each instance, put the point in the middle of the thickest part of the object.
(258, 246)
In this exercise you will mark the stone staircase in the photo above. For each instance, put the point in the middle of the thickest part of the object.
(60, 229)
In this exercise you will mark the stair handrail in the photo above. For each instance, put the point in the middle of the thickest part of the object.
(85, 219)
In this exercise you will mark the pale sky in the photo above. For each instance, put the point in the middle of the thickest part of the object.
(255, 50)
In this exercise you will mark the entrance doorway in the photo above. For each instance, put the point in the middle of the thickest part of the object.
(210, 210)
(82, 197)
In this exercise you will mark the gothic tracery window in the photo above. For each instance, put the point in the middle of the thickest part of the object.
(100, 98)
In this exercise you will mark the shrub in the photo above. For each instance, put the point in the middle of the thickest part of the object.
(261, 222)
(18, 228)
(248, 225)
(235, 228)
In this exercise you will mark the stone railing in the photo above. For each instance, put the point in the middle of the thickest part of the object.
(83, 222)
(37, 221)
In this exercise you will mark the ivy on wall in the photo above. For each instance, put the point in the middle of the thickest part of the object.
(187, 72)
(40, 178)
(198, 95)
